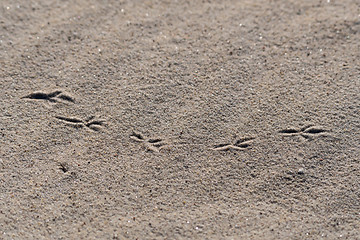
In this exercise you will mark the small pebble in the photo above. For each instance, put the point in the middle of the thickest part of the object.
(301, 171)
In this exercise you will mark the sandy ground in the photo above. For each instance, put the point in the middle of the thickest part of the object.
(179, 119)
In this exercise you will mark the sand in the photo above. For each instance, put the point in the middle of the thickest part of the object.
(179, 119)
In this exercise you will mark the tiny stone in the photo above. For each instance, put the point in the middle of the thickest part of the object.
(301, 171)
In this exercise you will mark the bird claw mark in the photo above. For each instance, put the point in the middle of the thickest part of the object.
(51, 97)
(154, 145)
(239, 145)
(89, 123)
(306, 132)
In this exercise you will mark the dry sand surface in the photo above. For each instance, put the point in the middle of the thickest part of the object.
(231, 119)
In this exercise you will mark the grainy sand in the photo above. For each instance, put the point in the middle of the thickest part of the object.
(231, 119)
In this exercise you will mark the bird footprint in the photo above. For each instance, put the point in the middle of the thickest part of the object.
(306, 132)
(240, 144)
(152, 144)
(89, 122)
(51, 97)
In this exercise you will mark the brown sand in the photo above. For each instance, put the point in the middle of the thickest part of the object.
(179, 119)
